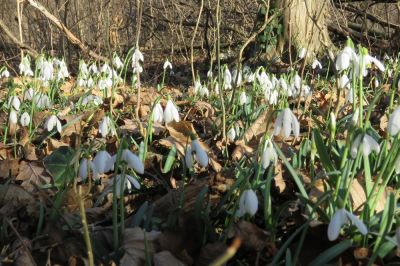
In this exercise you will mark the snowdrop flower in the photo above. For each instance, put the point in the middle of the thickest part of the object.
(203, 91)
(167, 64)
(83, 69)
(248, 203)
(52, 122)
(297, 81)
(273, 97)
(227, 79)
(302, 53)
(199, 154)
(197, 86)
(28, 94)
(136, 59)
(93, 69)
(332, 122)
(25, 67)
(84, 167)
(366, 143)
(170, 112)
(158, 113)
(102, 163)
(376, 83)
(394, 122)
(96, 100)
(106, 126)
(340, 218)
(4, 73)
(370, 59)
(344, 59)
(47, 71)
(269, 155)
(237, 75)
(62, 70)
(90, 83)
(344, 82)
(305, 91)
(106, 69)
(243, 98)
(117, 61)
(14, 102)
(316, 64)
(133, 161)
(42, 100)
(216, 88)
(13, 119)
(231, 134)
(287, 122)
(25, 119)
(129, 182)
(355, 117)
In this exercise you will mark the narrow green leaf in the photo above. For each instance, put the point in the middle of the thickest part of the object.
(331, 253)
(322, 152)
(170, 160)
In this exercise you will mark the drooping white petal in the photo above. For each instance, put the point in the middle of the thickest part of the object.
(13, 117)
(231, 134)
(336, 223)
(84, 167)
(355, 146)
(357, 223)
(372, 143)
(243, 98)
(133, 161)
(189, 157)
(102, 162)
(133, 181)
(278, 124)
(344, 82)
(249, 202)
(25, 119)
(200, 155)
(394, 122)
(158, 113)
(171, 113)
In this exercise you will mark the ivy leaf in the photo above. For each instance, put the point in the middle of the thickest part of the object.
(59, 165)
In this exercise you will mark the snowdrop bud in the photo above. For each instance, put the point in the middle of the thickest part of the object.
(13, 119)
(105, 126)
(243, 98)
(84, 167)
(248, 203)
(133, 161)
(171, 113)
(158, 113)
(25, 119)
(231, 134)
(376, 83)
(167, 64)
(269, 155)
(302, 53)
(344, 82)
(52, 122)
(394, 122)
(332, 122)
(355, 117)
(14, 102)
(316, 64)
(200, 155)
(297, 81)
(227, 79)
(189, 157)
(101, 163)
(117, 62)
(340, 218)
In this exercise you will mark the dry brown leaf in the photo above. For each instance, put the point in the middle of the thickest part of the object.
(9, 167)
(165, 258)
(73, 125)
(278, 178)
(14, 197)
(259, 126)
(358, 197)
(22, 253)
(251, 235)
(32, 174)
(72, 196)
(138, 245)
(383, 123)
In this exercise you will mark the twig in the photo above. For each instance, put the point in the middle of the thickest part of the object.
(194, 37)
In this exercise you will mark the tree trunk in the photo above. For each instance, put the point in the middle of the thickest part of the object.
(305, 26)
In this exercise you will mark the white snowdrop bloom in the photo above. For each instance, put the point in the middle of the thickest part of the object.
(25, 119)
(332, 121)
(370, 59)
(355, 117)
(136, 59)
(102, 163)
(106, 126)
(90, 83)
(305, 91)
(344, 82)
(248, 203)
(28, 94)
(203, 91)
(209, 74)
(394, 122)
(93, 69)
(344, 59)
(25, 67)
(167, 64)
(104, 84)
(106, 69)
(83, 69)
(42, 100)
(242, 98)
(199, 154)
(189, 157)
(273, 97)
(248, 75)
(170, 112)
(227, 79)
(216, 88)
(14, 102)
(376, 83)
(81, 82)
(4, 73)
(96, 100)
(13, 119)
(47, 70)
(129, 182)
(85, 166)
(231, 134)
(62, 70)
(52, 122)
(158, 113)
(316, 64)
(302, 53)
(366, 143)
(283, 85)
(297, 81)
(340, 218)
(285, 123)
(117, 61)
(197, 86)
(269, 155)
(133, 161)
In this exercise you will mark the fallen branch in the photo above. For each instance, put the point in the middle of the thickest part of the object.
(70, 36)
(15, 40)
